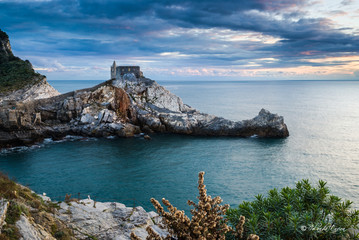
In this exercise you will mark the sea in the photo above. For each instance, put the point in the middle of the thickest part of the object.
(322, 118)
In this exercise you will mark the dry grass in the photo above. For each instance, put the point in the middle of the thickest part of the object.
(23, 201)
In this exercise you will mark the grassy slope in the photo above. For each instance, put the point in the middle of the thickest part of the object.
(14, 72)
(23, 201)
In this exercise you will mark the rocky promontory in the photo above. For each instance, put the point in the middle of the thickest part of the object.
(123, 107)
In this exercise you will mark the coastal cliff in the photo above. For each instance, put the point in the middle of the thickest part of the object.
(32, 110)
(18, 80)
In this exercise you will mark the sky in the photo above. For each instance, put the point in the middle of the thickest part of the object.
(187, 40)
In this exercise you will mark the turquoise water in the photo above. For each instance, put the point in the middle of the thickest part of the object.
(323, 121)
(64, 86)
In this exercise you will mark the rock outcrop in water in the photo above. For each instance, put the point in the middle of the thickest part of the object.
(118, 107)
(161, 111)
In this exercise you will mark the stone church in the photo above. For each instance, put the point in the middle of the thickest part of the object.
(118, 71)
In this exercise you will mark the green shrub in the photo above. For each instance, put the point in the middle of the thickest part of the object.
(304, 212)
(16, 74)
(13, 214)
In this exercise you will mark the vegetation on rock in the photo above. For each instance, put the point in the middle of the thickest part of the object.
(303, 212)
(25, 202)
(207, 220)
(3, 35)
(14, 72)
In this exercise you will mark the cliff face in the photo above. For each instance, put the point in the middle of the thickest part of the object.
(5, 48)
(18, 80)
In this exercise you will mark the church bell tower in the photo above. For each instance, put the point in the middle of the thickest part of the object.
(113, 70)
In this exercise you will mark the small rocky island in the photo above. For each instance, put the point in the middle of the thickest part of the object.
(123, 106)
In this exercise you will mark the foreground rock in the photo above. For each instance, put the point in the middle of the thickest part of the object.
(3, 210)
(107, 220)
(84, 219)
(26, 215)
(30, 230)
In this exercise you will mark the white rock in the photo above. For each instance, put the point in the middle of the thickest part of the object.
(37, 91)
(87, 118)
(162, 98)
(106, 116)
(107, 220)
(3, 209)
(116, 126)
(29, 230)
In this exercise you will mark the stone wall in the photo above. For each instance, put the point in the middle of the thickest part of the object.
(122, 70)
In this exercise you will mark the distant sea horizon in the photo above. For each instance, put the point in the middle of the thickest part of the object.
(63, 86)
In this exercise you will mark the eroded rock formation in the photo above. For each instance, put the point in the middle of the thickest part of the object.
(160, 110)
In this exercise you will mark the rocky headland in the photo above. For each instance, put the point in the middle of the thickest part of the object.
(32, 110)
(121, 108)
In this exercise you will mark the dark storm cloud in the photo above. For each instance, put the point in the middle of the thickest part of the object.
(302, 35)
(131, 27)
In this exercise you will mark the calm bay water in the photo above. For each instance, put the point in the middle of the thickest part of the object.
(322, 118)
